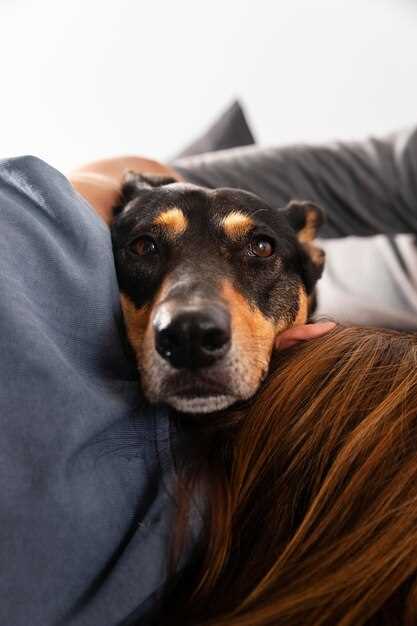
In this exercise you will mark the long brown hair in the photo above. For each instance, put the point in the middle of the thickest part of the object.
(312, 493)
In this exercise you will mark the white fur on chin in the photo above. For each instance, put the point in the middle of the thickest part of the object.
(208, 404)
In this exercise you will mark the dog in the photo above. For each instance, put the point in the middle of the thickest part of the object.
(208, 279)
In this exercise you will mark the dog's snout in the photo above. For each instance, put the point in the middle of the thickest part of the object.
(191, 339)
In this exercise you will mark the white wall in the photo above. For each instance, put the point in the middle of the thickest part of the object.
(82, 79)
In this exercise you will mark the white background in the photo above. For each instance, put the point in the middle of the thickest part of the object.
(82, 79)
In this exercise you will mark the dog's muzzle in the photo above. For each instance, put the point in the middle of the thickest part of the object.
(190, 337)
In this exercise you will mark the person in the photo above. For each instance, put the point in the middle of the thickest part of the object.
(86, 502)
(311, 493)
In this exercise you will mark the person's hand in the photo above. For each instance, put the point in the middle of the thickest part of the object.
(100, 182)
(303, 332)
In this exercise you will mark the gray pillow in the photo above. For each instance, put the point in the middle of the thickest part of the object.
(230, 130)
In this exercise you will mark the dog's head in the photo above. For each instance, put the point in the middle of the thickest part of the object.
(208, 279)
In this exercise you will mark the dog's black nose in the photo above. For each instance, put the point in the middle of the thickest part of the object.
(192, 339)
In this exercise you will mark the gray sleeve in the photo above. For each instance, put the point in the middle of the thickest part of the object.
(84, 511)
(366, 187)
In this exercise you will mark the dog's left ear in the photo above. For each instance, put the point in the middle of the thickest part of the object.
(305, 218)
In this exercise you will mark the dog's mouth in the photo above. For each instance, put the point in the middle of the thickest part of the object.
(200, 404)
(197, 393)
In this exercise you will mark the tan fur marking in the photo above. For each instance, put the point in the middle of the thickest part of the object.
(302, 314)
(236, 224)
(252, 331)
(309, 230)
(280, 326)
(136, 321)
(317, 255)
(173, 220)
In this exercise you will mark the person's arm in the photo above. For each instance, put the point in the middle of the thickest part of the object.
(85, 463)
(99, 181)
(366, 188)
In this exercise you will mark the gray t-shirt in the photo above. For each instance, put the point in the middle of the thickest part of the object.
(85, 464)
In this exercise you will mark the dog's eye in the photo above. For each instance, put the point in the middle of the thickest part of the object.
(261, 246)
(144, 246)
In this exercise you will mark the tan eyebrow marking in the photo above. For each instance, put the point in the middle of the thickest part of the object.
(236, 224)
(173, 220)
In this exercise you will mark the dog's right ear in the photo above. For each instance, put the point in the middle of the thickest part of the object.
(134, 184)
